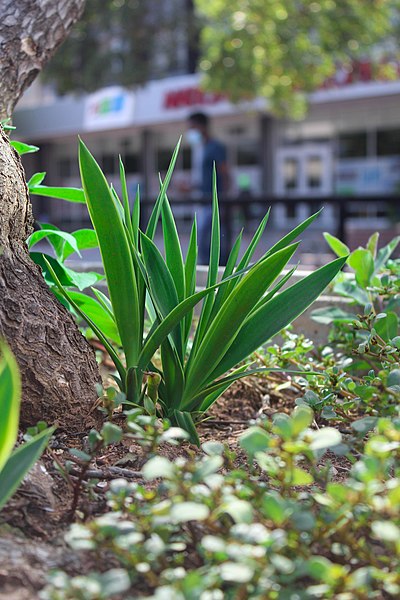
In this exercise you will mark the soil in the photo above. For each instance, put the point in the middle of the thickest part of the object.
(33, 524)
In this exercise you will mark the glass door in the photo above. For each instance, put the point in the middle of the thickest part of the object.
(303, 171)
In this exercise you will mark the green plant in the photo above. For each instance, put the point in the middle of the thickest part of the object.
(279, 527)
(372, 285)
(332, 380)
(234, 321)
(62, 243)
(14, 464)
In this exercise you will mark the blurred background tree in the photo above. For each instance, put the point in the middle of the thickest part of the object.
(282, 49)
(277, 49)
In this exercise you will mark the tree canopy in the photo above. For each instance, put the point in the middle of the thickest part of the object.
(282, 49)
(277, 49)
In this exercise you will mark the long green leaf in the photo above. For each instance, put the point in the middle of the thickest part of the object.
(248, 254)
(136, 218)
(202, 400)
(115, 252)
(275, 289)
(223, 291)
(173, 376)
(276, 314)
(61, 271)
(230, 318)
(155, 214)
(68, 194)
(39, 235)
(10, 396)
(190, 277)
(212, 277)
(114, 356)
(20, 462)
(162, 288)
(157, 335)
(104, 301)
(97, 314)
(125, 198)
(173, 251)
(85, 240)
(185, 421)
(212, 396)
(292, 235)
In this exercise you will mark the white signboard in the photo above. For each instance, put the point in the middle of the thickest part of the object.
(109, 108)
(173, 99)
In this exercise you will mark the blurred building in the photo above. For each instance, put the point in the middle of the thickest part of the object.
(349, 143)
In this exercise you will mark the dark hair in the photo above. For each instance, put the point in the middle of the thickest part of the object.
(199, 118)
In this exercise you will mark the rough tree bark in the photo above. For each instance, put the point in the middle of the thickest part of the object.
(58, 367)
(30, 33)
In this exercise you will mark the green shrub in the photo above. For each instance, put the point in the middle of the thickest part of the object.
(277, 528)
(372, 286)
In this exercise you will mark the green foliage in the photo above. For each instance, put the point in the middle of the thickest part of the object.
(22, 148)
(273, 49)
(64, 245)
(357, 373)
(14, 464)
(373, 288)
(140, 278)
(335, 384)
(278, 527)
(282, 50)
(10, 394)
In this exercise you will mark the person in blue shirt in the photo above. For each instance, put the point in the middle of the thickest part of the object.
(208, 151)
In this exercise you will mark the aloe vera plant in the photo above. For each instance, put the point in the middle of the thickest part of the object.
(14, 464)
(238, 314)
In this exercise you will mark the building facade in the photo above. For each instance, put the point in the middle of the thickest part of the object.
(348, 144)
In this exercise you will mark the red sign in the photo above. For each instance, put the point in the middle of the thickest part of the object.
(191, 96)
(364, 71)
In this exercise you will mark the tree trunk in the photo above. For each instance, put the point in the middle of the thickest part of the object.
(30, 33)
(58, 366)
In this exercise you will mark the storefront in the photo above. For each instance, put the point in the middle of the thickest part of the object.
(349, 144)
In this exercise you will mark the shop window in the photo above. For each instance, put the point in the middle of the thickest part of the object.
(291, 173)
(314, 171)
(388, 142)
(353, 145)
(247, 155)
(108, 164)
(131, 163)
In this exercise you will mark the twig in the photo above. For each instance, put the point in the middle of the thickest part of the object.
(108, 473)
(223, 422)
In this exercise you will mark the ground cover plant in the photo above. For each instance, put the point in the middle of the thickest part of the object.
(189, 377)
(278, 526)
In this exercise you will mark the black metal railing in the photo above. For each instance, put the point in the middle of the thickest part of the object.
(247, 208)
